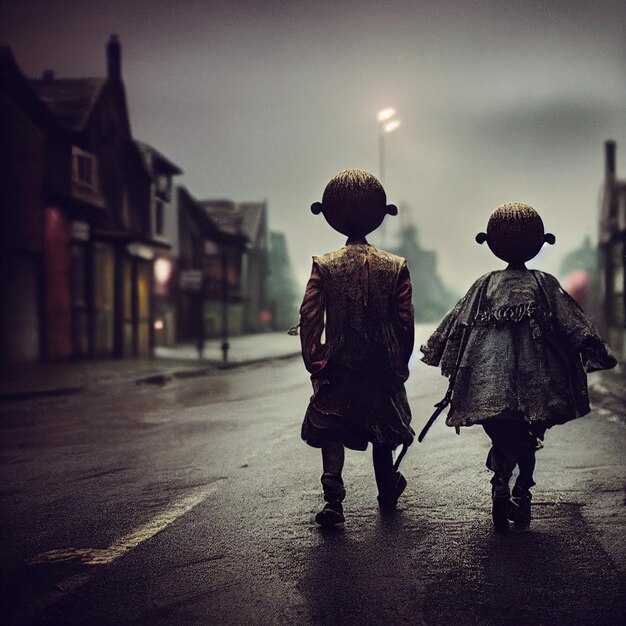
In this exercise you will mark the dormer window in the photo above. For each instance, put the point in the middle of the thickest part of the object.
(163, 184)
(85, 169)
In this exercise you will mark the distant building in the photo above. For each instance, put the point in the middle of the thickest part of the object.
(612, 254)
(577, 271)
(283, 292)
(77, 241)
(431, 299)
(164, 223)
(211, 260)
(249, 219)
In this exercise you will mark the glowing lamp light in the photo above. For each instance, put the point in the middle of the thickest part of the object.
(162, 270)
(392, 125)
(386, 114)
(159, 325)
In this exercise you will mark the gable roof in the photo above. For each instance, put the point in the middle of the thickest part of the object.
(151, 157)
(245, 217)
(210, 227)
(18, 88)
(71, 100)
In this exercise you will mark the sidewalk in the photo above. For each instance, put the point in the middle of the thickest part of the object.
(24, 381)
(244, 349)
(607, 392)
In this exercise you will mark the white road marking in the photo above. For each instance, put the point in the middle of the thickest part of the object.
(99, 556)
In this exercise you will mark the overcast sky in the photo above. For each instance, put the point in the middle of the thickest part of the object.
(499, 101)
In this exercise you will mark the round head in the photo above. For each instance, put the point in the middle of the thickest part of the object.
(515, 233)
(354, 203)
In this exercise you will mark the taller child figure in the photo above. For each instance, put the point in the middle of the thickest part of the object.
(356, 326)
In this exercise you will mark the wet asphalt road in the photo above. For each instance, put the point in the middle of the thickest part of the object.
(192, 503)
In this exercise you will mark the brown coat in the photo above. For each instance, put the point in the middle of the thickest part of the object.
(359, 297)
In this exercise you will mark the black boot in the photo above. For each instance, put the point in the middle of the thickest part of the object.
(390, 483)
(331, 514)
(334, 493)
(519, 509)
(388, 499)
(501, 501)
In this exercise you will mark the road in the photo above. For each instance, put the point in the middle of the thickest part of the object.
(193, 503)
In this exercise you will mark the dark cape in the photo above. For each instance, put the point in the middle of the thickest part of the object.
(517, 345)
(356, 328)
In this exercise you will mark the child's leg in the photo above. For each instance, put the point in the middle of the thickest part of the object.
(501, 459)
(333, 454)
(390, 483)
(526, 445)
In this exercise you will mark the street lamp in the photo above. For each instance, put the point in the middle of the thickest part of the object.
(387, 123)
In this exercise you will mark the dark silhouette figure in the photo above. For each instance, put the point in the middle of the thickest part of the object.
(356, 325)
(516, 348)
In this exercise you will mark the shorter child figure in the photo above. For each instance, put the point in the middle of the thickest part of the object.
(516, 348)
(356, 327)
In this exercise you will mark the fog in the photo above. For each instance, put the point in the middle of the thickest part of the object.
(499, 102)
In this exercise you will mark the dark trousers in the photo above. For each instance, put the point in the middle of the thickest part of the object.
(512, 445)
(333, 459)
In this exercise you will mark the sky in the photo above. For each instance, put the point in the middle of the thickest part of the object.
(499, 102)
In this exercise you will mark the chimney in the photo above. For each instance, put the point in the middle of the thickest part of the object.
(114, 58)
(609, 155)
(47, 76)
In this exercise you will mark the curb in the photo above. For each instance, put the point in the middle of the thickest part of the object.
(43, 393)
(154, 379)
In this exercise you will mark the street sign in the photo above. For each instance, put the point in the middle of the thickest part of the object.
(190, 280)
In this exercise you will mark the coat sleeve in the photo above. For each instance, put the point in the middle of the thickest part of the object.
(404, 298)
(312, 313)
(570, 322)
(451, 325)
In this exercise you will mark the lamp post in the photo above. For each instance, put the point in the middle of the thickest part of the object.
(387, 123)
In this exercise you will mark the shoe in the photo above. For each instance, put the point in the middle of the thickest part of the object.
(330, 515)
(499, 513)
(388, 502)
(519, 512)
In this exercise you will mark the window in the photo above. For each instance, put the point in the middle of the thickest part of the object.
(163, 184)
(159, 218)
(84, 169)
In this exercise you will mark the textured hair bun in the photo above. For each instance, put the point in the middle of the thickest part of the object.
(515, 233)
(354, 203)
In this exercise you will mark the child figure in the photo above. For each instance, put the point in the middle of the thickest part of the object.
(516, 348)
(356, 327)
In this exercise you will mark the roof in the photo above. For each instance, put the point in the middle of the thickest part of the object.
(245, 217)
(18, 88)
(151, 156)
(210, 227)
(71, 100)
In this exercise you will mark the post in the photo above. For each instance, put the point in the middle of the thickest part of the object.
(198, 296)
(381, 153)
(225, 345)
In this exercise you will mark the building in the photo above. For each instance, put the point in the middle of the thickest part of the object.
(431, 299)
(164, 225)
(77, 245)
(612, 255)
(577, 271)
(283, 292)
(209, 276)
(248, 219)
